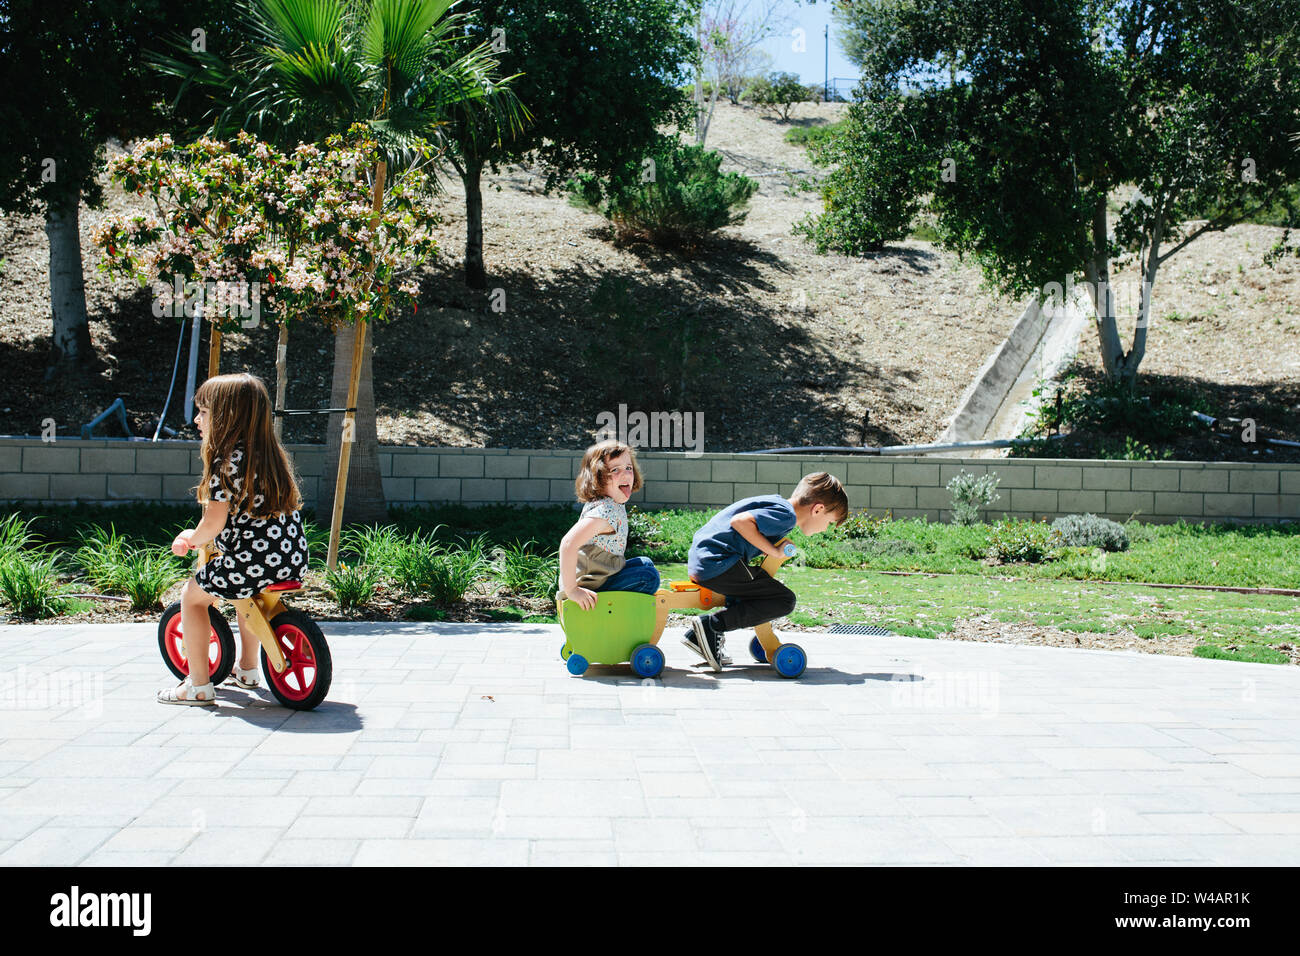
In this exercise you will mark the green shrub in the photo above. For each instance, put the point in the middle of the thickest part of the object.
(112, 563)
(525, 572)
(1132, 450)
(1028, 541)
(644, 530)
(425, 612)
(318, 544)
(970, 493)
(377, 546)
(884, 548)
(100, 556)
(1112, 420)
(15, 534)
(676, 201)
(803, 135)
(779, 92)
(352, 586)
(30, 585)
(1090, 531)
(145, 574)
(861, 524)
(877, 173)
(444, 573)
(1139, 533)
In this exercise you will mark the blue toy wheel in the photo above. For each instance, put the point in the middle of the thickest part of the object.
(790, 660)
(648, 660)
(576, 664)
(756, 649)
(564, 651)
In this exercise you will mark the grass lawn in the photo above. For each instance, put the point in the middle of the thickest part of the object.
(927, 606)
(1231, 555)
(839, 578)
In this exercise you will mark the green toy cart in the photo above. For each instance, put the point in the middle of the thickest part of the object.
(612, 632)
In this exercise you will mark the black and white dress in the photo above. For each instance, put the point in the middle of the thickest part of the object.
(255, 552)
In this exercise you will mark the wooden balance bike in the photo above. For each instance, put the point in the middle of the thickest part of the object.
(295, 656)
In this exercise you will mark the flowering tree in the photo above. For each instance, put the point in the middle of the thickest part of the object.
(295, 236)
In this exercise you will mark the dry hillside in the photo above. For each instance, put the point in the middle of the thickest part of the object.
(772, 343)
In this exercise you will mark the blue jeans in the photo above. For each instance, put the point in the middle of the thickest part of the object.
(638, 574)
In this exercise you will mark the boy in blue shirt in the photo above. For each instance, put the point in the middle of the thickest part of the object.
(722, 550)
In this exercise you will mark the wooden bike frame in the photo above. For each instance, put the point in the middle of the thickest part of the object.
(258, 612)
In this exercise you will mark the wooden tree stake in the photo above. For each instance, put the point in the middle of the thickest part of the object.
(281, 370)
(354, 382)
(214, 352)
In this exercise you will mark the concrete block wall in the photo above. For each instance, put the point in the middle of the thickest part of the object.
(71, 470)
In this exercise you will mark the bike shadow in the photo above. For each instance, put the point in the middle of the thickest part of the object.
(702, 677)
(261, 709)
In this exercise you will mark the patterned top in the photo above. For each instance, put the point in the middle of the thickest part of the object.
(616, 515)
(254, 552)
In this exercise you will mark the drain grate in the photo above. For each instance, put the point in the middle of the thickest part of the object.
(872, 630)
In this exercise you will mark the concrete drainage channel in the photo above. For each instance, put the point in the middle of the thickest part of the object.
(998, 404)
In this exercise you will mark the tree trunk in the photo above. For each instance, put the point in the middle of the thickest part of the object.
(365, 502)
(1121, 366)
(475, 274)
(1135, 355)
(1097, 272)
(703, 128)
(71, 338)
(699, 83)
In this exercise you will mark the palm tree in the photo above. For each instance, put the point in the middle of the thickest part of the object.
(315, 67)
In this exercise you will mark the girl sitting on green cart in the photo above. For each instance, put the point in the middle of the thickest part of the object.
(592, 552)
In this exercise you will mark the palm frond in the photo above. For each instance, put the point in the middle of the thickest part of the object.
(293, 26)
(309, 68)
(396, 36)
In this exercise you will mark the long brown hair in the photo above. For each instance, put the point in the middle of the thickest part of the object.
(239, 413)
(590, 483)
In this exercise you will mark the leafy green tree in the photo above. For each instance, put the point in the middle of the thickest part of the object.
(74, 76)
(598, 78)
(1029, 120)
(878, 172)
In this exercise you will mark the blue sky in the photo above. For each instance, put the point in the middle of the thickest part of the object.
(809, 64)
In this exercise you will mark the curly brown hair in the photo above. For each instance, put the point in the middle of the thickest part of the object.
(591, 478)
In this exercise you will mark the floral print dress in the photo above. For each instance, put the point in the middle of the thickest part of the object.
(255, 552)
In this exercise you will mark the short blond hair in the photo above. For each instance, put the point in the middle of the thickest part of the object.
(823, 488)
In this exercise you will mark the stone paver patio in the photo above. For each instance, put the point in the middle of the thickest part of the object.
(471, 744)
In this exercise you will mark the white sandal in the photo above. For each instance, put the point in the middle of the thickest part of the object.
(199, 695)
(246, 679)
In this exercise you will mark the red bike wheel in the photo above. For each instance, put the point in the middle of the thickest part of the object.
(306, 679)
(221, 644)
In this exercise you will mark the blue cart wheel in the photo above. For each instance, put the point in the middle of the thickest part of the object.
(648, 660)
(576, 664)
(564, 651)
(756, 649)
(790, 660)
